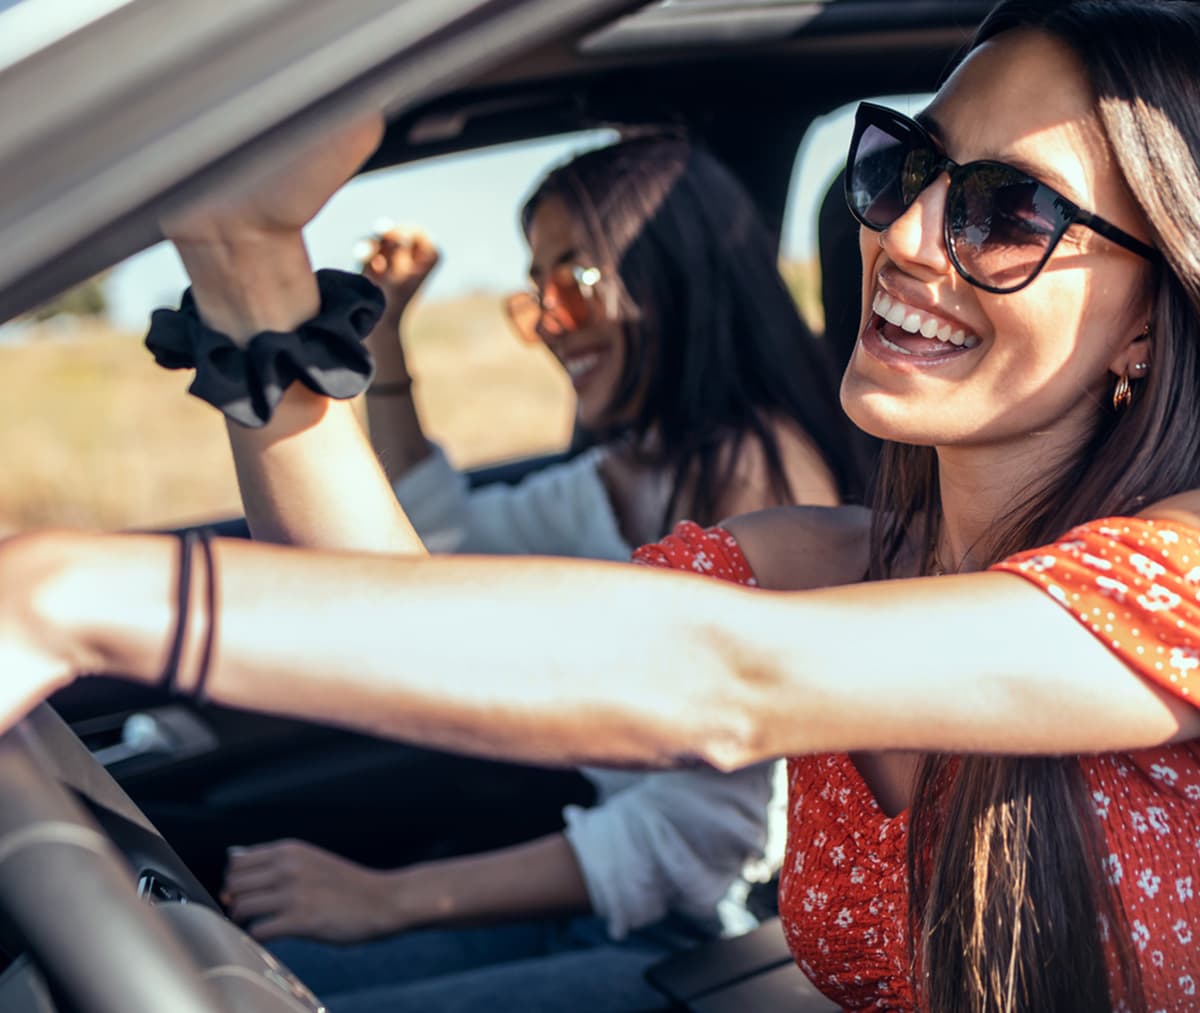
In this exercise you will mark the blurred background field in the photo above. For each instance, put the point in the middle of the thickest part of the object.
(94, 435)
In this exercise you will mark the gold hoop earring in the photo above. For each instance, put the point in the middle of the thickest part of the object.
(1122, 394)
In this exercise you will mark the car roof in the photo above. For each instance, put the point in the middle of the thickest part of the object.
(158, 101)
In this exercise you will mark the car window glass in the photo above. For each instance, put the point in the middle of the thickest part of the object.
(93, 434)
(819, 159)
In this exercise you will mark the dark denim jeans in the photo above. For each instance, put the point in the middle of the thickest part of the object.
(537, 966)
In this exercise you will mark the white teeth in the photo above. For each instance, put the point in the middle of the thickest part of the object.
(577, 367)
(913, 321)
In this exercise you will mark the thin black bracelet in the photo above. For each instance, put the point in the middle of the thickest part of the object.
(210, 633)
(392, 388)
(183, 598)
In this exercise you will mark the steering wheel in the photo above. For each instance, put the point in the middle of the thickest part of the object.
(109, 928)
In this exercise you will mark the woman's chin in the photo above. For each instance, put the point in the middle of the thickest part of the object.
(587, 417)
(593, 410)
(879, 416)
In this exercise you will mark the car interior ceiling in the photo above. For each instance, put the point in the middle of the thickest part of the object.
(746, 101)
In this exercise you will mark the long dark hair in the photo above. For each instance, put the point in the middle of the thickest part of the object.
(716, 347)
(1008, 905)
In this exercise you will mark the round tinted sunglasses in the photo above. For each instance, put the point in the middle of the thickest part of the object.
(562, 305)
(1000, 225)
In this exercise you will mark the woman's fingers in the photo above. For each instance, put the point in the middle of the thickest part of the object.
(269, 915)
(399, 260)
(246, 855)
(243, 880)
(295, 888)
(257, 903)
(241, 859)
(263, 867)
(264, 929)
(420, 251)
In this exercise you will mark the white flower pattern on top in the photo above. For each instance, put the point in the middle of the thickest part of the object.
(843, 895)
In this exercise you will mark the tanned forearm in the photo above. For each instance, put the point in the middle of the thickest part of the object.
(533, 879)
(507, 658)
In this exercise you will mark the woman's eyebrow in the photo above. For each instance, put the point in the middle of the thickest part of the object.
(568, 255)
(1039, 171)
(1045, 175)
(930, 123)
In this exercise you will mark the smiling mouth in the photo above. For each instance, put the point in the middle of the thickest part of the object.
(579, 366)
(909, 331)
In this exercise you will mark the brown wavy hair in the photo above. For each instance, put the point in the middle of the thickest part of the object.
(1008, 907)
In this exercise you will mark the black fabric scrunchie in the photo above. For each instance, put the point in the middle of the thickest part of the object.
(326, 353)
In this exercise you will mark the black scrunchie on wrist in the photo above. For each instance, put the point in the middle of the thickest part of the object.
(326, 353)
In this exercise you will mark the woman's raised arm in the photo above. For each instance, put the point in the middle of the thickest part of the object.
(309, 476)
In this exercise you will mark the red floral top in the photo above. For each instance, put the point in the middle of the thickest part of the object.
(843, 893)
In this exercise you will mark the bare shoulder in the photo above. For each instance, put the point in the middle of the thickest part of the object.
(750, 488)
(1182, 508)
(802, 547)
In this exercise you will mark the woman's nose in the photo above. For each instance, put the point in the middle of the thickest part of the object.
(915, 241)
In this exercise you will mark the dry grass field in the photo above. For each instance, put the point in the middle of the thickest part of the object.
(94, 435)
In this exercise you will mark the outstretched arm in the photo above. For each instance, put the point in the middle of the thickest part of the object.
(568, 661)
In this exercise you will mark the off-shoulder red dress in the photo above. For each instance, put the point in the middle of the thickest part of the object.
(843, 893)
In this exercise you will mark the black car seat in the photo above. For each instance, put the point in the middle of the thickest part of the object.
(841, 292)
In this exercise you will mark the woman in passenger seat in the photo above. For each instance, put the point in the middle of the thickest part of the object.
(995, 785)
(653, 283)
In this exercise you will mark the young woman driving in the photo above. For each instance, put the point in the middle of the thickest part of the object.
(995, 795)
